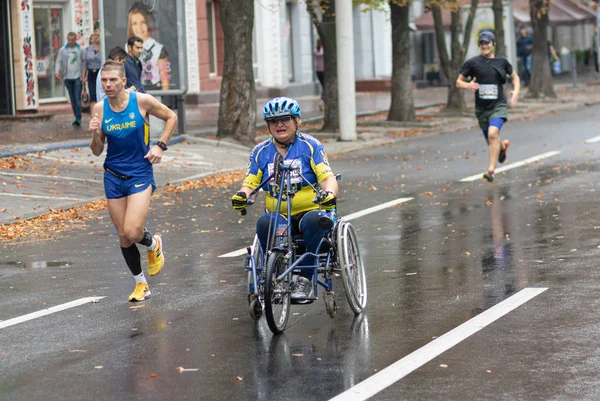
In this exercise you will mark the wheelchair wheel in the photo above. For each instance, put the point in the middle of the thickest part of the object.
(277, 293)
(353, 269)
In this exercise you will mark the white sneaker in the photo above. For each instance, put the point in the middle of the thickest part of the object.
(302, 289)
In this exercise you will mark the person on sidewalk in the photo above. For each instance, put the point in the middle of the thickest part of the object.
(117, 54)
(70, 62)
(91, 67)
(320, 70)
(122, 119)
(488, 73)
(133, 65)
(524, 48)
(282, 116)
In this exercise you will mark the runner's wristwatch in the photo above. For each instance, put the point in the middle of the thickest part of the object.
(162, 145)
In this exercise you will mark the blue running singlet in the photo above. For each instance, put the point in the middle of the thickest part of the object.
(128, 137)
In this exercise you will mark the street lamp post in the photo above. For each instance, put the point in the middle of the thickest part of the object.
(345, 67)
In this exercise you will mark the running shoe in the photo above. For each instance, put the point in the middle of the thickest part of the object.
(502, 155)
(141, 292)
(156, 260)
(489, 176)
(302, 290)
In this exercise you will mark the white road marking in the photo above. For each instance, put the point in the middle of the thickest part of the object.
(376, 208)
(48, 311)
(44, 197)
(514, 165)
(356, 215)
(205, 174)
(388, 376)
(592, 140)
(51, 177)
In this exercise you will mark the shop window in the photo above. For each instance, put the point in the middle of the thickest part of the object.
(212, 38)
(48, 22)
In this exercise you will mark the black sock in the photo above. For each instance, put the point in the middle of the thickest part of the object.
(147, 240)
(132, 258)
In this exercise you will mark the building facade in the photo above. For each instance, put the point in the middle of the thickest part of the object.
(283, 60)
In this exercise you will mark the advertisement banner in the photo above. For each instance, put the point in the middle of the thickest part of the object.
(160, 25)
(27, 49)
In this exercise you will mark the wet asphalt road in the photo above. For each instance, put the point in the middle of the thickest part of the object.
(433, 263)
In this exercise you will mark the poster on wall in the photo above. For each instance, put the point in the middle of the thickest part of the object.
(27, 53)
(160, 25)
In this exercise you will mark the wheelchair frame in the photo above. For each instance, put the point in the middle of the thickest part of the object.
(270, 282)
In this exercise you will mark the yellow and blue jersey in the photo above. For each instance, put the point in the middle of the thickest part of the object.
(128, 138)
(305, 152)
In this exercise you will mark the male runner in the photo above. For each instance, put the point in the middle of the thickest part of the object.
(488, 73)
(122, 119)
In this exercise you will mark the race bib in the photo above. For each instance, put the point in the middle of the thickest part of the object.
(295, 176)
(488, 92)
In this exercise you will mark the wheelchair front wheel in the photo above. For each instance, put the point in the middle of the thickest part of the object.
(277, 292)
(352, 267)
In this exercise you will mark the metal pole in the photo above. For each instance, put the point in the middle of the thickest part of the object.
(181, 114)
(597, 33)
(345, 67)
(574, 69)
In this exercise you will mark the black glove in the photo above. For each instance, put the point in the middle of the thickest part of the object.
(328, 202)
(239, 201)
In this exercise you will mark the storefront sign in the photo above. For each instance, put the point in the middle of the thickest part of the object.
(161, 26)
(27, 54)
(41, 65)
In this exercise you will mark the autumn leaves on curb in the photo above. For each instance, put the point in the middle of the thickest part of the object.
(53, 222)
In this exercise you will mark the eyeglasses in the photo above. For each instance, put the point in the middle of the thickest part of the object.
(273, 122)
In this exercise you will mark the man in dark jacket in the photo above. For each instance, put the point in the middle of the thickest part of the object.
(133, 65)
(524, 47)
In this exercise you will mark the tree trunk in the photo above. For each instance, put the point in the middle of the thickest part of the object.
(237, 103)
(541, 76)
(325, 26)
(451, 66)
(403, 105)
(499, 27)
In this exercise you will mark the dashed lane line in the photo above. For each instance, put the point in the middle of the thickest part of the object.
(44, 312)
(592, 140)
(356, 215)
(51, 177)
(390, 375)
(514, 165)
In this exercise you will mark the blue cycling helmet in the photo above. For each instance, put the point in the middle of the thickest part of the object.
(280, 107)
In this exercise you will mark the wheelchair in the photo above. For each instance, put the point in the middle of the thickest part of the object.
(270, 276)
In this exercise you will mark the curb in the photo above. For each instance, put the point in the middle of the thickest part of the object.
(63, 145)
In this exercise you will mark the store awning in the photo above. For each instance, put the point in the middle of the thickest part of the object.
(561, 13)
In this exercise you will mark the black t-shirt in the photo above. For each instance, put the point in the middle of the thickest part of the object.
(491, 76)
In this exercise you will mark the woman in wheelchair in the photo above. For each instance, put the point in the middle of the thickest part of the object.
(282, 116)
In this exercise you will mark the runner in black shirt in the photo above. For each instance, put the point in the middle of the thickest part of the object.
(488, 73)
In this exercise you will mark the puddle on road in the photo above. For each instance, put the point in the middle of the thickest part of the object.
(39, 264)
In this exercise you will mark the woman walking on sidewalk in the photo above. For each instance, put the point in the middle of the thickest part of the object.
(122, 119)
(488, 73)
(91, 67)
(320, 70)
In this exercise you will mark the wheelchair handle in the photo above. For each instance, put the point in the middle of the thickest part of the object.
(249, 202)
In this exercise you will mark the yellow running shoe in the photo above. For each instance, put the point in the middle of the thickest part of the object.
(141, 292)
(156, 260)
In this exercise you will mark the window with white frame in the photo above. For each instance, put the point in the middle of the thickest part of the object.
(212, 37)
